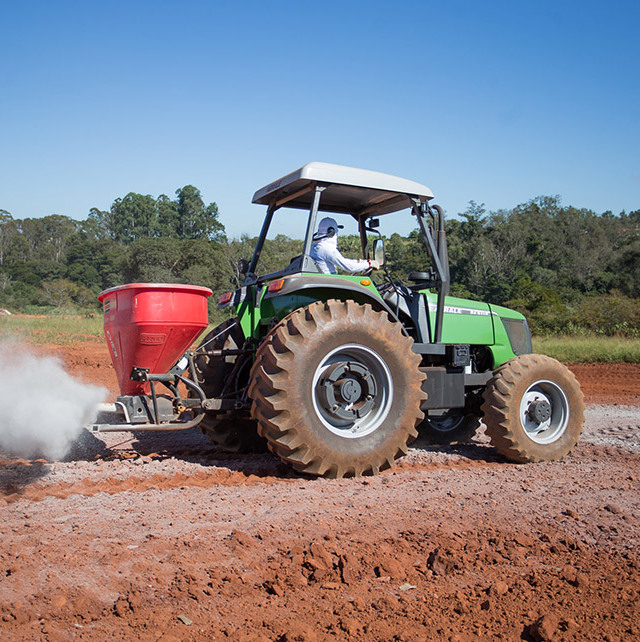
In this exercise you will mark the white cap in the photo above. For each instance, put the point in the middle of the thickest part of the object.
(326, 224)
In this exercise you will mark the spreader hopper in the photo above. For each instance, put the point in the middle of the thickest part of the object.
(149, 328)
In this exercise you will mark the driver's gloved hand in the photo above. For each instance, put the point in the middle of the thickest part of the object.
(374, 264)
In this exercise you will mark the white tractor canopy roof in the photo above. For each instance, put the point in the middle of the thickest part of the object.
(348, 190)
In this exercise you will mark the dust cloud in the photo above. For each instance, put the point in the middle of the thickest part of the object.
(42, 407)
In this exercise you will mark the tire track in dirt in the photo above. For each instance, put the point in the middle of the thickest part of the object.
(112, 486)
(205, 479)
(230, 470)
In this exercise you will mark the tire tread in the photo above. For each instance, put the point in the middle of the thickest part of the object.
(273, 371)
(501, 408)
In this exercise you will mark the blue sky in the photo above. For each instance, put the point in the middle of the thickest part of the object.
(498, 102)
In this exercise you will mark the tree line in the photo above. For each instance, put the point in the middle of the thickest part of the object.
(569, 270)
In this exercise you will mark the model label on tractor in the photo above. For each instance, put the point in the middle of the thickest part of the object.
(450, 309)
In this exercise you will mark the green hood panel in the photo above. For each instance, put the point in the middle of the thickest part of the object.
(464, 321)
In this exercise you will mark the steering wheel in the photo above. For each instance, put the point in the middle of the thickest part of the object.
(385, 286)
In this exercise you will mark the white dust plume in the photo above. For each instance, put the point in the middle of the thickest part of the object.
(42, 407)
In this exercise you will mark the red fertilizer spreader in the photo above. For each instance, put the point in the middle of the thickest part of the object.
(149, 328)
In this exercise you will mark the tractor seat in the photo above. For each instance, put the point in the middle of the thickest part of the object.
(422, 280)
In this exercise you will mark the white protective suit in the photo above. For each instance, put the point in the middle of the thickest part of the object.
(324, 251)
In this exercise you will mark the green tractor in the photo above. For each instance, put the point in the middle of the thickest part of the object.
(337, 375)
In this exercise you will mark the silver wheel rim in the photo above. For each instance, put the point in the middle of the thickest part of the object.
(540, 399)
(357, 372)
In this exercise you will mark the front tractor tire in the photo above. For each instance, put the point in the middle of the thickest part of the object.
(336, 390)
(533, 409)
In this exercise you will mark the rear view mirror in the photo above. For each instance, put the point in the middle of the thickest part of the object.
(243, 266)
(378, 252)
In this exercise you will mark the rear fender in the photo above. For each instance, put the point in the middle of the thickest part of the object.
(299, 291)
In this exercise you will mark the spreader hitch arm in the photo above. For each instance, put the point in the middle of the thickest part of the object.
(171, 425)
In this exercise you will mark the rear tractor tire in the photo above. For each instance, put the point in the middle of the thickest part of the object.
(449, 429)
(336, 390)
(232, 432)
(533, 409)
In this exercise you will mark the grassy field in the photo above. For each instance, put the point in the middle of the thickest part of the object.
(72, 329)
(60, 330)
(589, 349)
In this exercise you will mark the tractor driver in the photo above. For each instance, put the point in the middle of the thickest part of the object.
(324, 251)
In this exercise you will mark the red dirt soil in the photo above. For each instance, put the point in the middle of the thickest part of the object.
(163, 537)
(609, 383)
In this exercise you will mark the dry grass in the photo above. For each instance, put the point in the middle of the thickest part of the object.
(589, 349)
(60, 330)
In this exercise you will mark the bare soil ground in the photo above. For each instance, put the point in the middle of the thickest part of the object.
(163, 537)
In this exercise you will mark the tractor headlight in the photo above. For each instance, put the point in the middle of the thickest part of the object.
(519, 335)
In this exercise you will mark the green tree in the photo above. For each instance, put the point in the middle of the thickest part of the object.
(132, 217)
(204, 262)
(153, 260)
(96, 225)
(195, 220)
(627, 269)
(58, 231)
(167, 216)
(7, 230)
